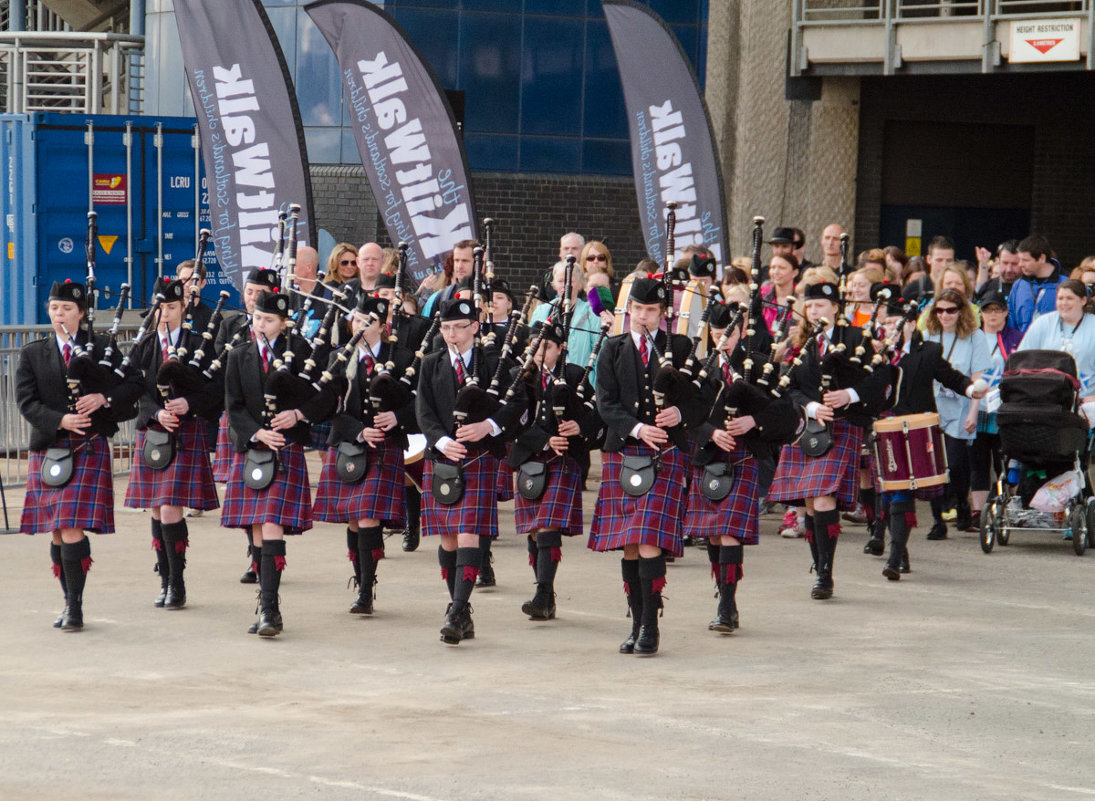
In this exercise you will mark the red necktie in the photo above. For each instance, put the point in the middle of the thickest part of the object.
(164, 348)
(265, 360)
(726, 372)
(66, 353)
(644, 352)
(544, 381)
(367, 360)
(458, 365)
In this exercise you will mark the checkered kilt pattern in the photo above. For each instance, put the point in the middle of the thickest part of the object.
(653, 519)
(379, 495)
(222, 457)
(187, 481)
(287, 501)
(477, 512)
(560, 507)
(736, 515)
(86, 502)
(836, 473)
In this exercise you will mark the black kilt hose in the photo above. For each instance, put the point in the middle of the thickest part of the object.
(286, 502)
(560, 507)
(379, 495)
(187, 481)
(799, 477)
(222, 456)
(477, 511)
(737, 514)
(655, 518)
(85, 502)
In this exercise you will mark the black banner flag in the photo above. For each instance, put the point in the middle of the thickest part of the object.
(672, 144)
(405, 131)
(252, 141)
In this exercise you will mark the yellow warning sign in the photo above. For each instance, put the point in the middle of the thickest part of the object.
(107, 242)
(11, 250)
(912, 246)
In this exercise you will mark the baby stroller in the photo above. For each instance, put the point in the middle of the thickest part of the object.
(1040, 428)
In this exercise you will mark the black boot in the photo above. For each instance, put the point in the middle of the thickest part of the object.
(76, 558)
(486, 562)
(533, 553)
(652, 579)
(163, 567)
(730, 559)
(251, 574)
(175, 540)
(458, 624)
(876, 545)
(542, 605)
(59, 574)
(355, 561)
(273, 562)
(634, 590)
(370, 548)
(809, 528)
(826, 531)
(900, 513)
(256, 568)
(903, 565)
(412, 533)
(938, 531)
(447, 560)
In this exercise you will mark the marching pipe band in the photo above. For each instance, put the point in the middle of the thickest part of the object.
(682, 419)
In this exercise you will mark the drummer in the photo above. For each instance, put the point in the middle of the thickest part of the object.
(914, 367)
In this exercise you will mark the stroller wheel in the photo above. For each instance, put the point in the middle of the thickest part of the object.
(1089, 509)
(988, 527)
(1077, 520)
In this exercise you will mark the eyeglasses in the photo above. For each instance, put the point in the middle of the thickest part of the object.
(455, 326)
(947, 310)
(344, 262)
(596, 257)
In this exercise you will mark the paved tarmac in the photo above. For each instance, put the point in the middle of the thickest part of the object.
(972, 678)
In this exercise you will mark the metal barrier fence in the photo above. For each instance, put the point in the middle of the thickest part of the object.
(845, 11)
(15, 431)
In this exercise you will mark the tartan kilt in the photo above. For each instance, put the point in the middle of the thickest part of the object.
(222, 457)
(187, 481)
(560, 507)
(736, 515)
(379, 495)
(620, 519)
(287, 501)
(477, 511)
(799, 476)
(86, 502)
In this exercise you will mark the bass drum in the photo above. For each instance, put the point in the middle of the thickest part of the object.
(691, 303)
(414, 460)
(620, 319)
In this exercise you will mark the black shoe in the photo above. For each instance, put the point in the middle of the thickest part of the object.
(253, 628)
(700, 542)
(964, 523)
(411, 537)
(542, 605)
(874, 546)
(688, 541)
(724, 623)
(975, 522)
(457, 626)
(161, 599)
(249, 577)
(903, 565)
(647, 643)
(823, 588)
(486, 573)
(938, 531)
(176, 595)
(72, 619)
(364, 603)
(891, 572)
(270, 623)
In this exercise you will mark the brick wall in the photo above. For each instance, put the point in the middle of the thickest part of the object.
(530, 212)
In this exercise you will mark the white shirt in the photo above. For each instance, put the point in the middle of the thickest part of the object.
(465, 360)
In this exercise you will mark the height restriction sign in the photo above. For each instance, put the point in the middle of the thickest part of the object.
(1044, 40)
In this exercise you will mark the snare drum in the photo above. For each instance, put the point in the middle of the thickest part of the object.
(620, 316)
(909, 452)
(414, 461)
(692, 303)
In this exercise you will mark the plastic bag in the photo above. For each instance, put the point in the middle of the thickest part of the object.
(1054, 495)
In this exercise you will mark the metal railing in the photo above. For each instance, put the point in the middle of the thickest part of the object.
(15, 431)
(86, 73)
(808, 12)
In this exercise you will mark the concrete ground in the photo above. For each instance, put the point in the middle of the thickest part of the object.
(972, 678)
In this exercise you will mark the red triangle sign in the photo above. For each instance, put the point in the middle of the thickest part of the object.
(1043, 46)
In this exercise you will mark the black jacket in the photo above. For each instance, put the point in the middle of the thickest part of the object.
(625, 389)
(43, 394)
(357, 410)
(919, 368)
(436, 398)
(206, 400)
(871, 386)
(543, 425)
(244, 384)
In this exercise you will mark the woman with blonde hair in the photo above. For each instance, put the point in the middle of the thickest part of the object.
(858, 293)
(341, 264)
(596, 258)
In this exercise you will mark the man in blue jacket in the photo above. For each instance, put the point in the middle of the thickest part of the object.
(1036, 292)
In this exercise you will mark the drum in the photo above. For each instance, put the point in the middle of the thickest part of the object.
(690, 309)
(620, 320)
(414, 460)
(909, 452)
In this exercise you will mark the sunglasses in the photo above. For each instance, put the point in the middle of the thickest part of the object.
(947, 310)
(344, 262)
(596, 257)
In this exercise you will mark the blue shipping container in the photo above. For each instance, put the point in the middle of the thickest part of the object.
(141, 175)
